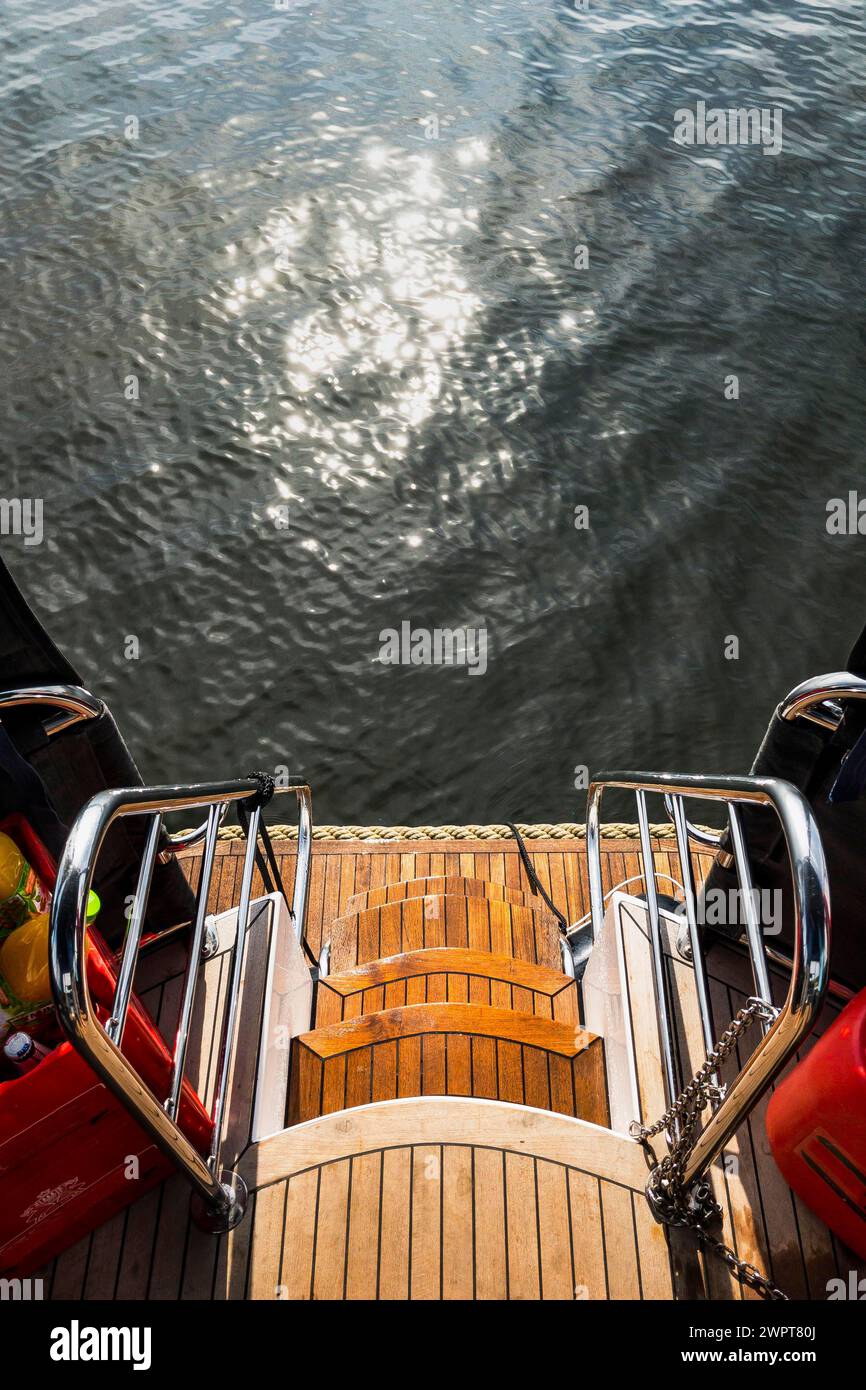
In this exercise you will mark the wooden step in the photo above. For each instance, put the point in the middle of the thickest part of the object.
(480, 924)
(448, 1049)
(447, 975)
(440, 886)
(445, 1199)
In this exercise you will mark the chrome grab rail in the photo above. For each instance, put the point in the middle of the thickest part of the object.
(810, 967)
(220, 1197)
(74, 702)
(78, 704)
(707, 839)
(187, 839)
(816, 698)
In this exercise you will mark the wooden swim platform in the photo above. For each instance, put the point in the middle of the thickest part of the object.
(447, 1117)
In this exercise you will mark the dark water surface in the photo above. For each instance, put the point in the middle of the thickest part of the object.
(329, 312)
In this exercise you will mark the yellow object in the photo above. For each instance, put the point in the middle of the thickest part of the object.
(25, 984)
(21, 893)
(11, 865)
(24, 977)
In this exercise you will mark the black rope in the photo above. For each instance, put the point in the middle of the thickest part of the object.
(533, 876)
(268, 867)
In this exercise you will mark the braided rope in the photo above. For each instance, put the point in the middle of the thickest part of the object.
(613, 830)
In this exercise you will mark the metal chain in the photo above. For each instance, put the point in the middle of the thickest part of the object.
(672, 1202)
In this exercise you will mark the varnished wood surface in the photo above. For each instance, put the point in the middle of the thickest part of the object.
(444, 1050)
(447, 974)
(566, 1040)
(373, 1205)
(437, 887)
(368, 1192)
(456, 960)
(478, 923)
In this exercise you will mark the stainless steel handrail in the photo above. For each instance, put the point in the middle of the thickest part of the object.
(707, 839)
(181, 1040)
(187, 839)
(757, 949)
(74, 702)
(816, 698)
(221, 1197)
(666, 1039)
(78, 704)
(810, 968)
(132, 940)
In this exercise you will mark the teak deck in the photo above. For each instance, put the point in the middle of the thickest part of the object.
(437, 1197)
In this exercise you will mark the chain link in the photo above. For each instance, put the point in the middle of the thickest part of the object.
(672, 1202)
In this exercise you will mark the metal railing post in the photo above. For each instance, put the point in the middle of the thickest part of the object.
(754, 936)
(810, 966)
(132, 938)
(302, 866)
(227, 1041)
(663, 1013)
(679, 818)
(181, 1040)
(219, 1198)
(593, 859)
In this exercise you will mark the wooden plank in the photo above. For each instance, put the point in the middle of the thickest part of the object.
(458, 1065)
(491, 1260)
(434, 1082)
(456, 922)
(485, 1080)
(385, 1072)
(367, 930)
(536, 1081)
(359, 1077)
(299, 1235)
(70, 1271)
(426, 1258)
(587, 1236)
(457, 1223)
(653, 1255)
(170, 1243)
(105, 1254)
(331, 894)
(562, 1094)
(396, 1207)
(329, 1265)
(509, 1062)
(619, 1242)
(409, 1066)
(524, 1278)
(413, 917)
(362, 1258)
(333, 1084)
(557, 1274)
(305, 1084)
(200, 1264)
(134, 1273)
(267, 1249)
